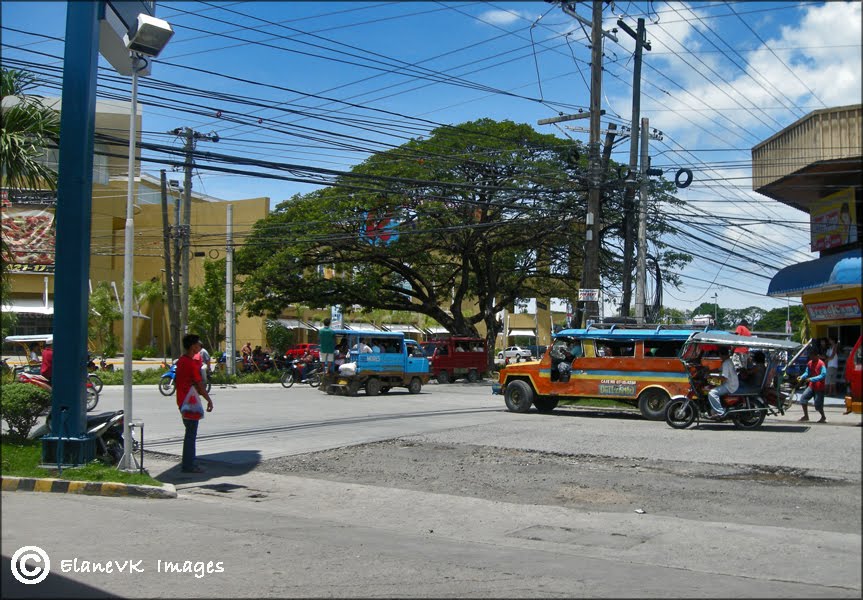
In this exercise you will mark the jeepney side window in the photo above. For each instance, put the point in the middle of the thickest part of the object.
(609, 348)
(662, 348)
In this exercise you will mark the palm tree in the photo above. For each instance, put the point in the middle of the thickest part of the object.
(28, 128)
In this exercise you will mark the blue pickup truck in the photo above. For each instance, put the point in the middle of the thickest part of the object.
(394, 361)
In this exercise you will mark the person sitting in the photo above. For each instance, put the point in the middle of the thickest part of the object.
(729, 385)
(361, 347)
(754, 375)
(376, 348)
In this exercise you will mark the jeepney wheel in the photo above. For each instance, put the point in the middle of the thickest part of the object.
(443, 377)
(680, 414)
(518, 396)
(751, 419)
(652, 404)
(472, 376)
(544, 404)
(415, 386)
(373, 387)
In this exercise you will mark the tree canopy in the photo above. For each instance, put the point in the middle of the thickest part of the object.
(457, 227)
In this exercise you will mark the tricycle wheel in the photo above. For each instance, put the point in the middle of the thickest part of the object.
(472, 376)
(415, 386)
(353, 388)
(443, 377)
(652, 404)
(287, 378)
(518, 396)
(751, 419)
(680, 414)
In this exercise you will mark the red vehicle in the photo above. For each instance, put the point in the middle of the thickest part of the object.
(454, 357)
(299, 351)
(854, 379)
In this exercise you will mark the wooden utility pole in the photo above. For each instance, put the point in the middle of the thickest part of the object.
(629, 194)
(590, 272)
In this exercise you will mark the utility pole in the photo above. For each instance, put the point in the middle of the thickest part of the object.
(640, 43)
(641, 267)
(186, 229)
(590, 272)
(169, 272)
(230, 340)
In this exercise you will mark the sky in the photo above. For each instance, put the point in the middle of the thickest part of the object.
(323, 84)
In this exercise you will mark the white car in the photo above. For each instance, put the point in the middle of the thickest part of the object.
(515, 352)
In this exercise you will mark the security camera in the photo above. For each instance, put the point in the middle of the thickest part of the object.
(149, 35)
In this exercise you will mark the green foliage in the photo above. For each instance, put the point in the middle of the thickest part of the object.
(207, 305)
(21, 458)
(279, 337)
(20, 406)
(104, 312)
(148, 352)
(27, 128)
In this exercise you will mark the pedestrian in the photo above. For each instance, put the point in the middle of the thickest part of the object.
(47, 368)
(190, 390)
(327, 341)
(815, 374)
(832, 358)
(204, 358)
(740, 358)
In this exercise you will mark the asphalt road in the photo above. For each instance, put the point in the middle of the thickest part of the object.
(303, 498)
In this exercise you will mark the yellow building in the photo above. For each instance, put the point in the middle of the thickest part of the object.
(28, 226)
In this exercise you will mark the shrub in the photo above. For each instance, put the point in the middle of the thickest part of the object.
(20, 406)
(139, 353)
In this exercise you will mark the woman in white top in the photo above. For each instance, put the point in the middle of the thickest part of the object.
(832, 356)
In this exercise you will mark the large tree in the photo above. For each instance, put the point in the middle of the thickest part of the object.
(457, 227)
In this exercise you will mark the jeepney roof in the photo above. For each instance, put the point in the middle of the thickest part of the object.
(747, 341)
(628, 333)
(369, 333)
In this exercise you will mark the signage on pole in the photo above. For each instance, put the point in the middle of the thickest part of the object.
(588, 295)
(336, 317)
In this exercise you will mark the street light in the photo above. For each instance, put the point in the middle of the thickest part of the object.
(147, 39)
(715, 309)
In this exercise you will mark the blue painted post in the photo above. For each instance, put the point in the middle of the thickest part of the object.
(72, 272)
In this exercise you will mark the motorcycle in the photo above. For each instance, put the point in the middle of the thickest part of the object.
(106, 427)
(297, 371)
(166, 381)
(32, 377)
(750, 404)
(91, 375)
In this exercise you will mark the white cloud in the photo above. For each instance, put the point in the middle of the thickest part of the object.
(500, 17)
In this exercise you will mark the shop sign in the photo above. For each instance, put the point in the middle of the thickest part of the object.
(834, 311)
(834, 221)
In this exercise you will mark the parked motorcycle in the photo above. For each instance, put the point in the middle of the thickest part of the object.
(34, 378)
(167, 385)
(91, 375)
(299, 372)
(106, 427)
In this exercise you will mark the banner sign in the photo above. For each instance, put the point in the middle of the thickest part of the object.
(380, 230)
(834, 311)
(588, 295)
(834, 221)
(29, 229)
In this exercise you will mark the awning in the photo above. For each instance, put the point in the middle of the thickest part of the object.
(404, 327)
(833, 272)
(433, 330)
(521, 332)
(294, 324)
(28, 305)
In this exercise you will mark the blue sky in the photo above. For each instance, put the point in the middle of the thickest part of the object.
(721, 77)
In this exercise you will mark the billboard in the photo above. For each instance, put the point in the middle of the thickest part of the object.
(834, 221)
(29, 229)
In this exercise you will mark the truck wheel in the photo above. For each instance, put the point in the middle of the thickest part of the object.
(518, 396)
(353, 388)
(415, 386)
(545, 405)
(443, 377)
(652, 404)
(373, 387)
(472, 376)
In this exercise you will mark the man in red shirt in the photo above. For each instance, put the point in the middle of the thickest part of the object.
(815, 374)
(47, 367)
(741, 353)
(190, 390)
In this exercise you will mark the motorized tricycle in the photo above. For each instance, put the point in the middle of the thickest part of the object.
(752, 401)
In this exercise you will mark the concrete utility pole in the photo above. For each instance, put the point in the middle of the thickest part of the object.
(629, 194)
(230, 338)
(641, 268)
(590, 272)
(186, 229)
(170, 294)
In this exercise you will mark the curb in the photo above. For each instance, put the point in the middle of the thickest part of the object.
(90, 488)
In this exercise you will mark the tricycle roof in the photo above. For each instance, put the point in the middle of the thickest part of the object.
(24, 339)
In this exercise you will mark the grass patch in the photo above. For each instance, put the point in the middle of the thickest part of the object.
(21, 458)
